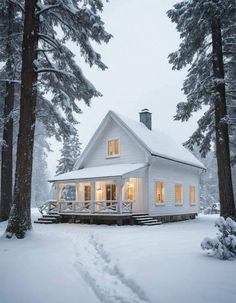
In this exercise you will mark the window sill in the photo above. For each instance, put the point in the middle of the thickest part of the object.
(113, 156)
(179, 204)
(193, 204)
(159, 204)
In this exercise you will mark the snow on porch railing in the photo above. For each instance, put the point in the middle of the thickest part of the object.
(127, 206)
(105, 206)
(86, 206)
(49, 205)
(74, 206)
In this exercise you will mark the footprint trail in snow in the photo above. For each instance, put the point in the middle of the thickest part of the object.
(104, 276)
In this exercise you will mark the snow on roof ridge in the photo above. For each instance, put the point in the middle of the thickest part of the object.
(158, 143)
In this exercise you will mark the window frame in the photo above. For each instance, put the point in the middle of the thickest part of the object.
(182, 193)
(89, 193)
(132, 187)
(113, 147)
(112, 186)
(63, 187)
(195, 200)
(155, 192)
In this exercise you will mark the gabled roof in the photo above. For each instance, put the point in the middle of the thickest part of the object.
(116, 170)
(159, 143)
(155, 142)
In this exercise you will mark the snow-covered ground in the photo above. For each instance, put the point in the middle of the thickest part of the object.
(110, 264)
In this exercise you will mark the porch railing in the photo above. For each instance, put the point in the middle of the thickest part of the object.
(105, 206)
(86, 206)
(127, 206)
(74, 206)
(49, 205)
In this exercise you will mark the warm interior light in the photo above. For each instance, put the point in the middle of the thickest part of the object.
(130, 191)
(160, 192)
(99, 194)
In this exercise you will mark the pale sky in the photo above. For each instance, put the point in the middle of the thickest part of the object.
(138, 75)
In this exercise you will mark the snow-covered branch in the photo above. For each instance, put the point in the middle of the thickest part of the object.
(48, 40)
(46, 8)
(10, 80)
(52, 70)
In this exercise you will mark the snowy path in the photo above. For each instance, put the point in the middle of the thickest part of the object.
(103, 274)
(110, 264)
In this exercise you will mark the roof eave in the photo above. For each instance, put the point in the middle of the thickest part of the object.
(102, 177)
(178, 161)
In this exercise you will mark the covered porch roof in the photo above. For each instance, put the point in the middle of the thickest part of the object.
(106, 171)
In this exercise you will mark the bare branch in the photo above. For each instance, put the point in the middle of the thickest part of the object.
(18, 4)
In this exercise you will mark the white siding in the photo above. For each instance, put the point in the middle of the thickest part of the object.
(130, 151)
(171, 173)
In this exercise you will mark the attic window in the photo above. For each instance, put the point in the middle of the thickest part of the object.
(113, 147)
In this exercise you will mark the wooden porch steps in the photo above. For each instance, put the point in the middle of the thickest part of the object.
(145, 219)
(48, 219)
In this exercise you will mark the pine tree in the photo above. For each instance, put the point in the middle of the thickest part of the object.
(10, 41)
(70, 152)
(229, 38)
(20, 216)
(49, 66)
(201, 23)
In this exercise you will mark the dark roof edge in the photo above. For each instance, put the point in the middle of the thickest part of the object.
(181, 162)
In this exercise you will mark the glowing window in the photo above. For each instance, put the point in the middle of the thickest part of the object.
(110, 148)
(160, 192)
(87, 193)
(130, 191)
(192, 194)
(178, 193)
(99, 192)
(113, 147)
(110, 192)
(68, 193)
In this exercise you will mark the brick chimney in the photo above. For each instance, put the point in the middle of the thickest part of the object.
(146, 118)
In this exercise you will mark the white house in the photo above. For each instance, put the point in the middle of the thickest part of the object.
(129, 173)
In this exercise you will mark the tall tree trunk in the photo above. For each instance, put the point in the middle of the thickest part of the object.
(20, 215)
(221, 127)
(7, 165)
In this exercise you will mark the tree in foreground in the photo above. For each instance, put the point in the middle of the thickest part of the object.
(202, 24)
(224, 245)
(49, 66)
(70, 152)
(9, 54)
(20, 216)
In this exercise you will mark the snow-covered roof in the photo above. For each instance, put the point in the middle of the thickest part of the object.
(99, 172)
(159, 143)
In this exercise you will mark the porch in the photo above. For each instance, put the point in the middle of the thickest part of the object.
(88, 207)
(115, 190)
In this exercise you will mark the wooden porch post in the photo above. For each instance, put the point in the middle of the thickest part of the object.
(58, 191)
(119, 195)
(77, 191)
(93, 196)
